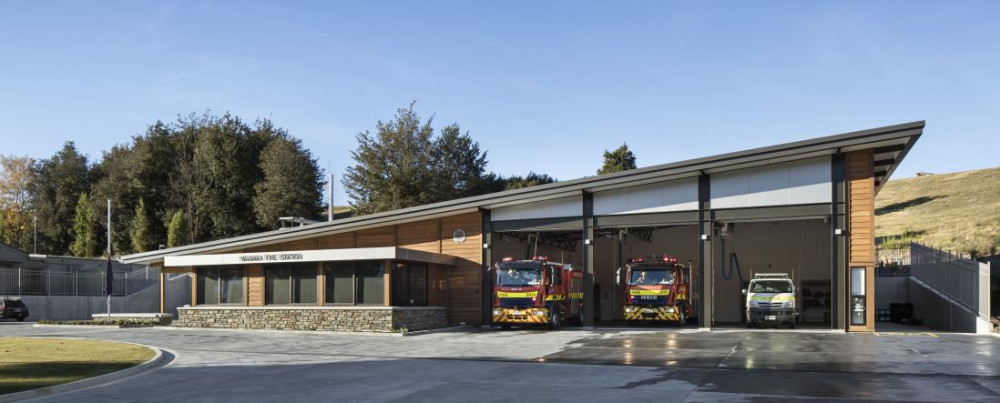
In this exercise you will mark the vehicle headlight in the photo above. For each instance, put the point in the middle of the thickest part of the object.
(539, 313)
(788, 304)
(670, 309)
(628, 309)
(497, 312)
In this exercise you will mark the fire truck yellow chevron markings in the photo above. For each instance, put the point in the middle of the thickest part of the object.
(576, 295)
(556, 297)
(506, 294)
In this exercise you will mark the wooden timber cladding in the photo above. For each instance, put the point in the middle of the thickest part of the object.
(861, 204)
(457, 287)
(861, 225)
(255, 285)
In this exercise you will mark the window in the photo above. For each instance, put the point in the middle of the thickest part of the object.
(858, 296)
(290, 284)
(220, 285)
(339, 283)
(409, 284)
(354, 283)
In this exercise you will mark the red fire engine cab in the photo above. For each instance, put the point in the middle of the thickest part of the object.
(657, 290)
(536, 292)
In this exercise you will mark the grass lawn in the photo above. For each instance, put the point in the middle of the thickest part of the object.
(29, 363)
(958, 211)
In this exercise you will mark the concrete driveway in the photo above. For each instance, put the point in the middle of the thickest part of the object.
(644, 365)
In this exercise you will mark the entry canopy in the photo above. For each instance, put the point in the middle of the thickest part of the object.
(321, 255)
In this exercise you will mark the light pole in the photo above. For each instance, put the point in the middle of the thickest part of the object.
(34, 222)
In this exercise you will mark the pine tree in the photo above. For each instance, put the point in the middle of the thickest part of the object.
(291, 185)
(621, 159)
(142, 237)
(404, 165)
(84, 234)
(178, 232)
(56, 188)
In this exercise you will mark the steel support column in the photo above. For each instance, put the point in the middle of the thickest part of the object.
(589, 300)
(838, 268)
(705, 263)
(487, 261)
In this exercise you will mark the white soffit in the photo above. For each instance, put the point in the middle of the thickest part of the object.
(676, 195)
(320, 255)
(571, 206)
(798, 182)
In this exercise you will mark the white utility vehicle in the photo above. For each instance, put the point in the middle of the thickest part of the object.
(771, 299)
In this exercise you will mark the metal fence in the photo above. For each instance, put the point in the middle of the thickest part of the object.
(17, 281)
(960, 279)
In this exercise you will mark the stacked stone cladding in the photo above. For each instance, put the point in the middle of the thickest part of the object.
(341, 319)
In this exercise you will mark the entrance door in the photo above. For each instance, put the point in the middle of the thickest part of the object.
(409, 284)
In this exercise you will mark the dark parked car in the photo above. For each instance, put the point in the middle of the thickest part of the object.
(13, 308)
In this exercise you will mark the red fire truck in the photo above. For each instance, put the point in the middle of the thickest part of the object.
(536, 292)
(657, 290)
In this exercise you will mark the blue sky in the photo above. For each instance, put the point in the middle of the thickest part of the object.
(544, 87)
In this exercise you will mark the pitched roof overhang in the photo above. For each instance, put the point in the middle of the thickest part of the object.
(891, 144)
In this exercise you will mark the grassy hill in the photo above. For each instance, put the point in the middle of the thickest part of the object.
(956, 211)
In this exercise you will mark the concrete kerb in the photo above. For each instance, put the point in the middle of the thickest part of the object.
(85, 326)
(326, 332)
(158, 361)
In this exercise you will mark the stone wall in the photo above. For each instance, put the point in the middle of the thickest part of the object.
(342, 319)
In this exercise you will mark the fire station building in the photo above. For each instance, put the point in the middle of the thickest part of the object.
(804, 208)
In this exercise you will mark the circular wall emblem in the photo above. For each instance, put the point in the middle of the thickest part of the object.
(458, 236)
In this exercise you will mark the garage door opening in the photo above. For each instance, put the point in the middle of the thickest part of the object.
(614, 246)
(799, 248)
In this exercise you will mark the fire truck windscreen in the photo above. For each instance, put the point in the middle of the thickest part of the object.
(651, 277)
(508, 275)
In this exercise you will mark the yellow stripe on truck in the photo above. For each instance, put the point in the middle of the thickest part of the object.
(505, 294)
(555, 297)
(648, 292)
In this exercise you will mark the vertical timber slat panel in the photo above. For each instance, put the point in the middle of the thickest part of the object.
(255, 281)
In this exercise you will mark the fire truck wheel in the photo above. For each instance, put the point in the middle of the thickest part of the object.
(554, 320)
(20, 318)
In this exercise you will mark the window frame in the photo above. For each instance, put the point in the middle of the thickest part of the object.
(199, 294)
(355, 282)
(292, 269)
(862, 282)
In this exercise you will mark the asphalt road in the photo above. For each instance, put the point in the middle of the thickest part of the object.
(487, 365)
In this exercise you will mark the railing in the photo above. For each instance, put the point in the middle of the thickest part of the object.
(16, 281)
(958, 278)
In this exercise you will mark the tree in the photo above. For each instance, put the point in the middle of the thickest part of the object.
(405, 165)
(142, 237)
(227, 168)
(84, 230)
(457, 164)
(621, 159)
(393, 166)
(291, 185)
(56, 188)
(532, 179)
(16, 176)
(112, 183)
(178, 232)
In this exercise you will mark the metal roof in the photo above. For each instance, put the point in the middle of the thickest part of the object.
(891, 144)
